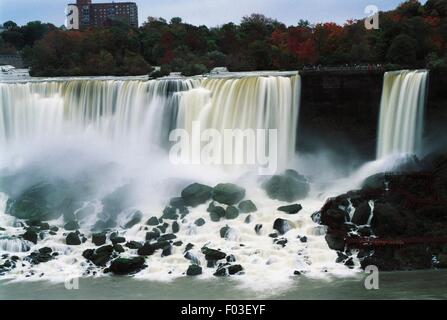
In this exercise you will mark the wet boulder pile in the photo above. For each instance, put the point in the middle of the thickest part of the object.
(396, 221)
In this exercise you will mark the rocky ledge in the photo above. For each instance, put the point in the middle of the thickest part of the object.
(396, 221)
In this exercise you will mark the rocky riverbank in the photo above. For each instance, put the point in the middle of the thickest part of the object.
(396, 221)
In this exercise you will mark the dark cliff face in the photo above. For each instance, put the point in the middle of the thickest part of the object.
(339, 113)
(435, 124)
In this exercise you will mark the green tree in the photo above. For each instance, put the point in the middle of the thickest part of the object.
(403, 50)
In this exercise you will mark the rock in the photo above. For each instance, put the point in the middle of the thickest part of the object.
(124, 266)
(303, 239)
(292, 209)
(153, 221)
(335, 242)
(178, 243)
(228, 193)
(189, 246)
(213, 255)
(41, 256)
(30, 235)
(118, 248)
(170, 213)
(163, 227)
(152, 235)
(362, 214)
(247, 206)
(133, 245)
(73, 239)
(282, 242)
(216, 212)
(100, 256)
(258, 228)
(282, 226)
(288, 187)
(442, 261)
(200, 222)
(167, 237)
(177, 203)
(228, 270)
(196, 194)
(248, 219)
(224, 232)
(231, 258)
(167, 250)
(194, 270)
(189, 256)
(117, 239)
(175, 227)
(146, 250)
(134, 219)
(231, 213)
(334, 217)
(71, 226)
(44, 201)
(99, 239)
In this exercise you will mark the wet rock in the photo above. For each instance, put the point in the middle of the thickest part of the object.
(73, 239)
(118, 248)
(30, 235)
(282, 226)
(124, 266)
(224, 271)
(196, 194)
(387, 220)
(167, 237)
(213, 255)
(288, 187)
(152, 235)
(248, 219)
(334, 217)
(231, 213)
(216, 212)
(292, 209)
(303, 239)
(282, 242)
(200, 222)
(133, 219)
(191, 257)
(170, 213)
(175, 227)
(335, 242)
(178, 243)
(147, 249)
(258, 228)
(362, 214)
(231, 258)
(100, 256)
(194, 270)
(71, 226)
(228, 193)
(153, 221)
(189, 246)
(133, 245)
(247, 206)
(224, 232)
(41, 256)
(177, 203)
(167, 250)
(99, 239)
(117, 239)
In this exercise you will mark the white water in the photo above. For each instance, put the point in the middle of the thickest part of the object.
(63, 129)
(401, 112)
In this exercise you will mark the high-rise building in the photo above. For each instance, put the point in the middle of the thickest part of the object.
(100, 14)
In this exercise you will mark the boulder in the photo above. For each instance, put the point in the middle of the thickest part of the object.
(127, 266)
(282, 226)
(291, 209)
(247, 206)
(335, 242)
(153, 221)
(30, 235)
(133, 245)
(196, 194)
(213, 255)
(152, 235)
(387, 220)
(362, 214)
(200, 222)
(71, 226)
(99, 239)
(170, 213)
(231, 213)
(175, 227)
(288, 187)
(73, 239)
(228, 193)
(100, 256)
(194, 270)
(258, 228)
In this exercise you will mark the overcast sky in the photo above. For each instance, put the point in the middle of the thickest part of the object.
(208, 12)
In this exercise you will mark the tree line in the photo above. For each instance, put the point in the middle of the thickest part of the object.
(411, 36)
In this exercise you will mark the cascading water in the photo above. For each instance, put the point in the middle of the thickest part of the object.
(401, 112)
(90, 133)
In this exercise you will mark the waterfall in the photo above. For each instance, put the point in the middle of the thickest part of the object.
(139, 114)
(401, 112)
